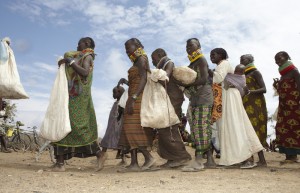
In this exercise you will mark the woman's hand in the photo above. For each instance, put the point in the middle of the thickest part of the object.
(130, 105)
(210, 72)
(246, 90)
(122, 81)
(60, 62)
(275, 83)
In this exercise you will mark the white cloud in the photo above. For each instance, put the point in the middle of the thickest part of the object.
(46, 67)
(115, 66)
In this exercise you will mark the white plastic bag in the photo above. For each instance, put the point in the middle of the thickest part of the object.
(156, 108)
(3, 53)
(123, 99)
(10, 85)
(56, 124)
(184, 74)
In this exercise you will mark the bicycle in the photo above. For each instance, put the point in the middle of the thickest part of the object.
(17, 139)
(46, 146)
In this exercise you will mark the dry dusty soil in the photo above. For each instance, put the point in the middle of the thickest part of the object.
(19, 172)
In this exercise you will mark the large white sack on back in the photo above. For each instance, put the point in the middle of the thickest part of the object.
(10, 85)
(56, 124)
(156, 108)
(185, 74)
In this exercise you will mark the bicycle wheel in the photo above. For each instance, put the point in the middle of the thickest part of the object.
(27, 140)
(18, 144)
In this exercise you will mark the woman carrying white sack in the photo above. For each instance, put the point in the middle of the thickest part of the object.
(10, 85)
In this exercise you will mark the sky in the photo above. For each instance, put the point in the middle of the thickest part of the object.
(43, 30)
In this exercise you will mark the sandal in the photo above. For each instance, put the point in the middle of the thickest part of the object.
(248, 165)
(191, 169)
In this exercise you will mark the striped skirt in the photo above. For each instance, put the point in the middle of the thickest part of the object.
(133, 135)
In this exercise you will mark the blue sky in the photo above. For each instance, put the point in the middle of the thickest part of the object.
(43, 30)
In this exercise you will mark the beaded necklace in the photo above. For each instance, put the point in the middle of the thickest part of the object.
(195, 55)
(136, 54)
(286, 67)
(249, 68)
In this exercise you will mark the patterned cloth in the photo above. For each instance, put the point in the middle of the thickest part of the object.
(113, 130)
(288, 121)
(237, 81)
(217, 106)
(200, 128)
(82, 140)
(133, 135)
(255, 106)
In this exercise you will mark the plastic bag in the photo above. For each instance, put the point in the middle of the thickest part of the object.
(56, 124)
(123, 99)
(3, 53)
(10, 85)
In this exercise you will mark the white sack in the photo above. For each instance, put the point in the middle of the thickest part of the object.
(156, 108)
(123, 99)
(184, 74)
(10, 85)
(56, 124)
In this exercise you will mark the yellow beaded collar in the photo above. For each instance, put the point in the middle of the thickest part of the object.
(195, 55)
(136, 54)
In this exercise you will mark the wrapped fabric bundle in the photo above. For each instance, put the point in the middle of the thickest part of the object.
(10, 85)
(184, 74)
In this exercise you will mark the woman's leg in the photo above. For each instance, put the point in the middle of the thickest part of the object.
(60, 164)
(262, 160)
(101, 157)
(149, 160)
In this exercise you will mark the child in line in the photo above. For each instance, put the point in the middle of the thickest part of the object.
(114, 126)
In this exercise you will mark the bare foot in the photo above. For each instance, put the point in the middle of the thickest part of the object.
(194, 166)
(58, 168)
(122, 163)
(210, 165)
(179, 163)
(130, 168)
(166, 165)
(148, 164)
(101, 160)
(248, 165)
(262, 164)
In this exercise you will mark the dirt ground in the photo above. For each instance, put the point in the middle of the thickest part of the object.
(19, 172)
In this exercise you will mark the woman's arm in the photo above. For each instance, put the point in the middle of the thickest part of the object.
(122, 81)
(258, 77)
(142, 66)
(83, 70)
(203, 67)
(169, 70)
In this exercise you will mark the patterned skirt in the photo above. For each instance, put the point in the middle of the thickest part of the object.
(288, 121)
(133, 135)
